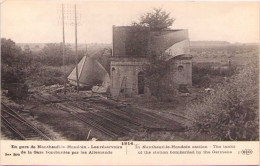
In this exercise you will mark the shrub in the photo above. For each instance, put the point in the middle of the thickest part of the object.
(52, 55)
(10, 74)
(203, 74)
(231, 112)
(156, 79)
(46, 75)
(14, 62)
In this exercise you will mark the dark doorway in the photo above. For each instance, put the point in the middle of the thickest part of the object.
(112, 76)
(141, 82)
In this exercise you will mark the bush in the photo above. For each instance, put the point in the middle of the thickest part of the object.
(231, 112)
(14, 62)
(156, 79)
(46, 75)
(42, 67)
(52, 55)
(11, 74)
(204, 74)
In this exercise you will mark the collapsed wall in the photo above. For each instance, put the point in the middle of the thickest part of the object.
(127, 76)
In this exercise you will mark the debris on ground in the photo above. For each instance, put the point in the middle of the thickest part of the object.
(209, 90)
(95, 110)
(184, 94)
(49, 89)
(56, 88)
(101, 89)
(94, 139)
(17, 90)
(11, 103)
(183, 89)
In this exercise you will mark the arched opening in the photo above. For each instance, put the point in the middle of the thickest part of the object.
(180, 68)
(141, 82)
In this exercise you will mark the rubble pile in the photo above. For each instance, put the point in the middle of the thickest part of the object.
(5, 100)
(56, 88)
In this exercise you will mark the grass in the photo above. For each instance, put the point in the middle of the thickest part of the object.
(208, 75)
(48, 75)
(231, 112)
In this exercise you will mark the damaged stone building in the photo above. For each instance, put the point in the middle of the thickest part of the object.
(134, 50)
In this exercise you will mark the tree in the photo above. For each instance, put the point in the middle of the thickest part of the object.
(51, 54)
(10, 52)
(27, 49)
(157, 19)
(14, 62)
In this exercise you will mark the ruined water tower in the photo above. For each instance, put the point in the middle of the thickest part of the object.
(130, 58)
(174, 46)
(135, 47)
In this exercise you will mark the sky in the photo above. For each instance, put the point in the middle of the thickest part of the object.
(38, 21)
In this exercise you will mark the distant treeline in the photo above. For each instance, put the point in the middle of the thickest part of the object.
(208, 43)
(19, 65)
(81, 46)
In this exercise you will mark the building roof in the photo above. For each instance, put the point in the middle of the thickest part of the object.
(90, 72)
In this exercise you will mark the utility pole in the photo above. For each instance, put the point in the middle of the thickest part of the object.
(76, 45)
(63, 52)
(69, 17)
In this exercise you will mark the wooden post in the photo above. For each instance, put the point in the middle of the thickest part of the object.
(63, 52)
(76, 47)
(88, 134)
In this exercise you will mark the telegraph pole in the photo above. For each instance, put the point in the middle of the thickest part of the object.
(76, 45)
(68, 18)
(63, 52)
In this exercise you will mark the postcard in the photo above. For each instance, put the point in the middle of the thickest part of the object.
(129, 82)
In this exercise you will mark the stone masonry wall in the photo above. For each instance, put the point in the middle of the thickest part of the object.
(128, 68)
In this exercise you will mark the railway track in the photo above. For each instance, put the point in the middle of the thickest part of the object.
(20, 126)
(129, 121)
(104, 124)
(109, 114)
(108, 125)
(111, 118)
(136, 115)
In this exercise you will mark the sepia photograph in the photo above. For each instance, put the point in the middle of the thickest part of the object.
(129, 70)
